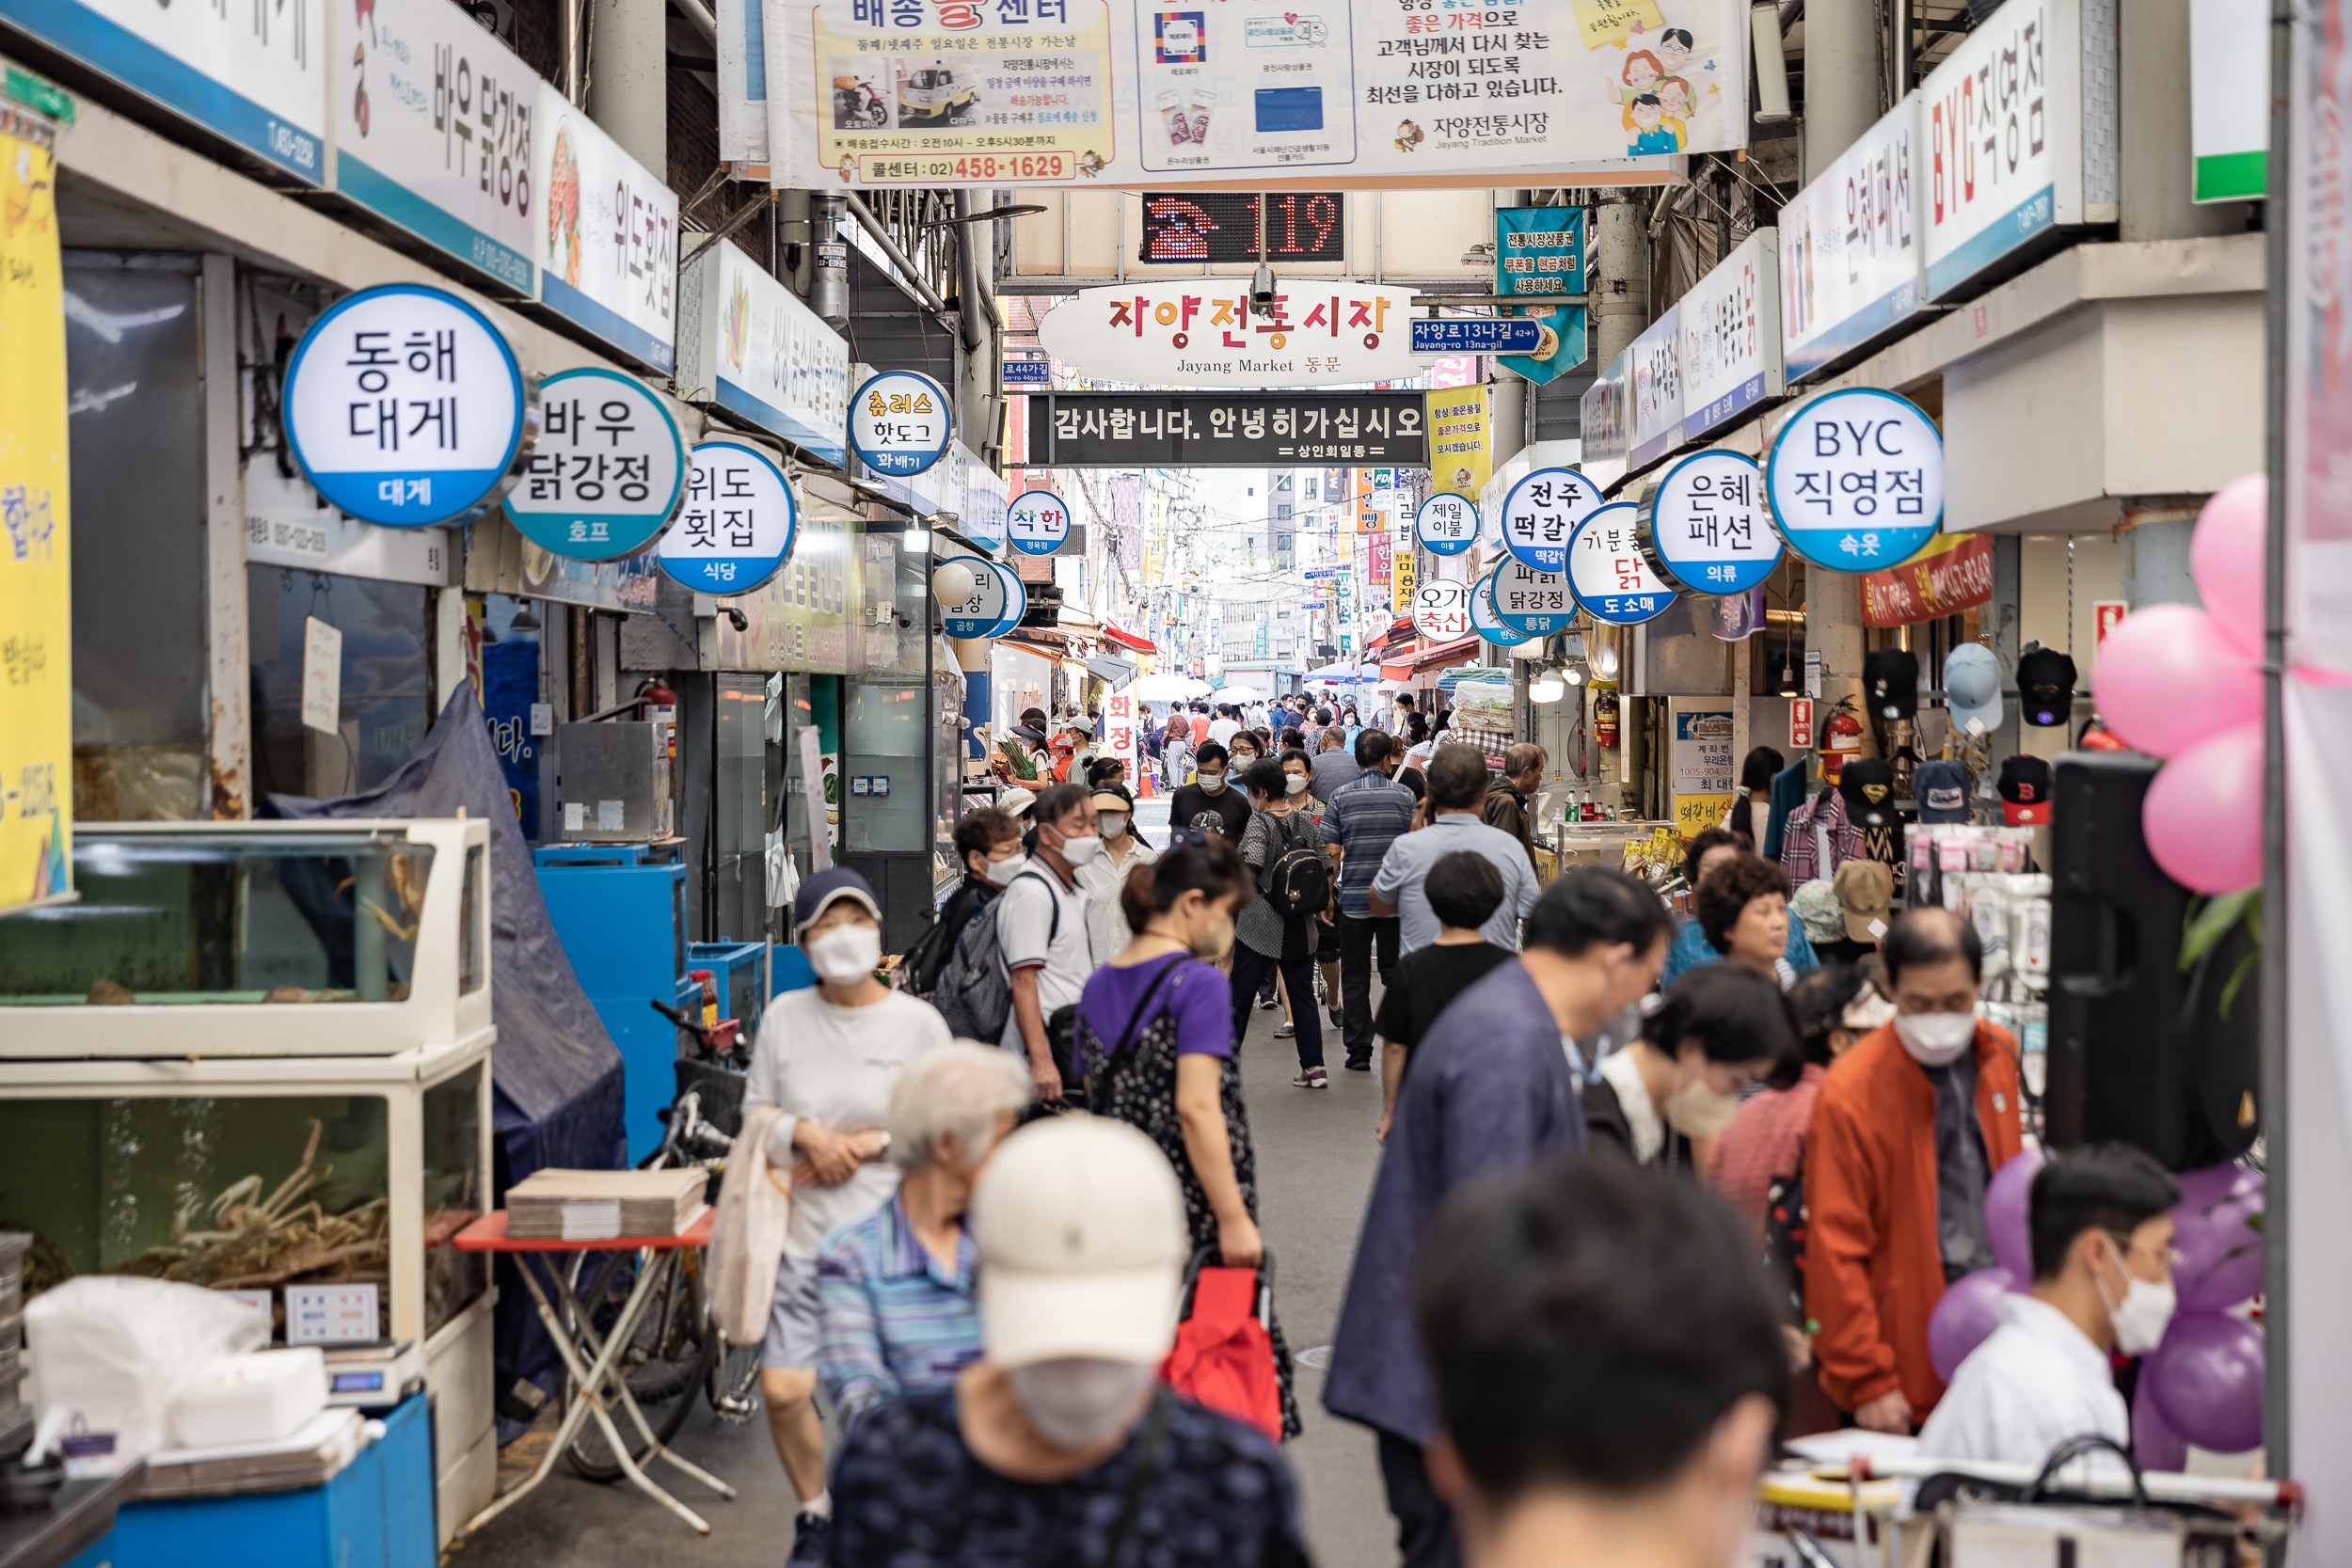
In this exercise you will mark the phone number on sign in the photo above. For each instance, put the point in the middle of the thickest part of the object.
(1012, 166)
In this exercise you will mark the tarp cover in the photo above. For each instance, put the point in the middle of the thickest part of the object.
(555, 1075)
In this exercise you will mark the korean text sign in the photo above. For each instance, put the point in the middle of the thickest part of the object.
(1704, 527)
(607, 471)
(1533, 602)
(1856, 479)
(1602, 417)
(1037, 522)
(608, 248)
(1850, 248)
(763, 353)
(1702, 767)
(1730, 323)
(1606, 573)
(1540, 515)
(1201, 332)
(1654, 389)
(1208, 429)
(1540, 250)
(1485, 619)
(900, 423)
(737, 524)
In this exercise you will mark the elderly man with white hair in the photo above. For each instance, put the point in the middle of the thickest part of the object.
(896, 1288)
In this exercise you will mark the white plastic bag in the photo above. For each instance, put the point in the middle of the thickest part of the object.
(113, 1350)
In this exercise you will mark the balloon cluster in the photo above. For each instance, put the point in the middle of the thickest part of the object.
(2203, 1383)
(2185, 684)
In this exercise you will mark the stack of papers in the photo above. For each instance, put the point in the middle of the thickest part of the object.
(597, 1205)
(312, 1455)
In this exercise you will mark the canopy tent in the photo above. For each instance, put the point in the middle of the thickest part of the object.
(1238, 694)
(1166, 688)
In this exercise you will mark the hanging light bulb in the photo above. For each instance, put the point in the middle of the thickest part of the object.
(1573, 676)
(1547, 689)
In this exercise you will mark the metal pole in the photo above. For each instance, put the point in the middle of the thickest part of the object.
(872, 225)
(2276, 1329)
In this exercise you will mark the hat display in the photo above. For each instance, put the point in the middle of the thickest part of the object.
(2024, 792)
(1080, 1228)
(2045, 687)
(826, 888)
(1814, 906)
(1972, 684)
(1864, 890)
(1942, 790)
(1868, 784)
(1890, 681)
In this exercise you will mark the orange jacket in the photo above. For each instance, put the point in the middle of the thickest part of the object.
(1873, 1265)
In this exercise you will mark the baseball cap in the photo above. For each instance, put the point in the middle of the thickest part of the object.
(824, 888)
(2045, 687)
(1816, 908)
(2025, 791)
(1869, 785)
(1113, 798)
(1941, 789)
(1890, 679)
(1864, 890)
(1080, 1228)
(1972, 684)
(1016, 802)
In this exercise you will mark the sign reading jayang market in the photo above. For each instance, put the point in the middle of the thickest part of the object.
(762, 354)
(1856, 479)
(605, 472)
(1730, 323)
(608, 248)
(1851, 247)
(1202, 333)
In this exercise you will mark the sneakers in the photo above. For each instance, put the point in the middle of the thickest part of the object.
(812, 1535)
(1268, 998)
(1284, 1031)
(1312, 1078)
(1338, 1020)
(1358, 1064)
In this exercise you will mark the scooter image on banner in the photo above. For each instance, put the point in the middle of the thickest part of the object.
(857, 105)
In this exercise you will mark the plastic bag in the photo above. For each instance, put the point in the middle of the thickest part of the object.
(113, 1350)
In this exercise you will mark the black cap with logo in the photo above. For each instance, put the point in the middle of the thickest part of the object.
(2045, 687)
(1868, 784)
(1890, 682)
(2025, 791)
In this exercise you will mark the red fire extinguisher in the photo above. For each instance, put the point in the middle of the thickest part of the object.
(1605, 719)
(1841, 739)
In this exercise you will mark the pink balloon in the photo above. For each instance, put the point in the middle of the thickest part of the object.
(2154, 1444)
(2212, 1230)
(2207, 1381)
(2008, 1208)
(2226, 556)
(2203, 813)
(2167, 678)
(1965, 1317)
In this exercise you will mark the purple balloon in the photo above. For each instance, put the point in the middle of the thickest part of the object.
(2221, 1252)
(2206, 1379)
(2007, 1199)
(2154, 1444)
(1966, 1316)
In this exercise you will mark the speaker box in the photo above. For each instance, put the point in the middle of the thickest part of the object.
(2140, 1050)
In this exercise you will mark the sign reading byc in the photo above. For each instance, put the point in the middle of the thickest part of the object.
(1446, 523)
(737, 524)
(996, 603)
(1201, 332)
(1856, 479)
(404, 405)
(900, 423)
(1441, 609)
(1533, 602)
(605, 472)
(607, 248)
(1484, 619)
(1541, 513)
(1037, 522)
(1606, 572)
(1704, 527)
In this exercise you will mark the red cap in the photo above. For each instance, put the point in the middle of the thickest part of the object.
(2024, 813)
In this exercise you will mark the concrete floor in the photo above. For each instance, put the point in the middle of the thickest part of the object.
(1316, 1159)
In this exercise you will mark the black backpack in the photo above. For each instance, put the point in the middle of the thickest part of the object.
(917, 974)
(974, 990)
(1297, 881)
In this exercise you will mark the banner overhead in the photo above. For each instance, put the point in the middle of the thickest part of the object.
(1850, 248)
(607, 248)
(1209, 430)
(1201, 332)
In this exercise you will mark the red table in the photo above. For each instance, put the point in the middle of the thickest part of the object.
(599, 1382)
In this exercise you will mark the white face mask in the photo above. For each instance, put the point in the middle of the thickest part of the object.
(1936, 1040)
(1077, 851)
(1213, 783)
(2145, 1310)
(1113, 823)
(1697, 1110)
(846, 953)
(1003, 872)
(1078, 1401)
(1294, 783)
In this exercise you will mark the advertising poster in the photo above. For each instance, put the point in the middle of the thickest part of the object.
(1540, 250)
(608, 241)
(1461, 451)
(1702, 767)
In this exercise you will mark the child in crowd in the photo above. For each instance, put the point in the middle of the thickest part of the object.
(1465, 890)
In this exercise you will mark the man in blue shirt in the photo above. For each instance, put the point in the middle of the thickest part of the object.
(1360, 819)
(1458, 794)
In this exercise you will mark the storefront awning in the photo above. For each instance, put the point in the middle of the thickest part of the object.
(1129, 639)
(1431, 657)
(1400, 632)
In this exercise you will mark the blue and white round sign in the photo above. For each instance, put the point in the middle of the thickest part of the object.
(1606, 572)
(900, 423)
(995, 606)
(1037, 522)
(1530, 602)
(1856, 479)
(405, 406)
(607, 471)
(1447, 524)
(1542, 511)
(1484, 620)
(737, 524)
(1705, 528)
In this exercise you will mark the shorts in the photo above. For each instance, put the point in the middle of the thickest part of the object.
(794, 1320)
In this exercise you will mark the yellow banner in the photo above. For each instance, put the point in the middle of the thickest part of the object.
(1461, 446)
(1401, 582)
(36, 595)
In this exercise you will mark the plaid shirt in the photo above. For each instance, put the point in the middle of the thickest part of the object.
(1363, 817)
(1800, 856)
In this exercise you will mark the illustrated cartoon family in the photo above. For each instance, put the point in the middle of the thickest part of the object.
(1656, 91)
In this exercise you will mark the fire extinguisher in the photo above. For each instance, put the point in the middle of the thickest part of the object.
(1605, 719)
(1841, 739)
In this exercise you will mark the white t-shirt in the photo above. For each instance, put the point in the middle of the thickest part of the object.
(2037, 1381)
(1028, 933)
(1100, 880)
(1223, 729)
(835, 1067)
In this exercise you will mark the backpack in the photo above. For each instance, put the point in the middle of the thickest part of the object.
(1297, 881)
(973, 992)
(918, 973)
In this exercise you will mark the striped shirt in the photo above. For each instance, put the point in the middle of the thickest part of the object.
(894, 1321)
(1363, 817)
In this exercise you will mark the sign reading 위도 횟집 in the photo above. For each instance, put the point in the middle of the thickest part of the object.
(1851, 248)
(1606, 573)
(1532, 603)
(737, 524)
(1037, 522)
(1856, 479)
(607, 471)
(763, 354)
(1201, 332)
(1704, 527)
(1447, 524)
(1540, 513)
(608, 242)
(404, 405)
(900, 423)
(1731, 337)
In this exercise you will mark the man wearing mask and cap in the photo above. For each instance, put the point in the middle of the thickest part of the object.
(1908, 1129)
(828, 1056)
(1058, 1446)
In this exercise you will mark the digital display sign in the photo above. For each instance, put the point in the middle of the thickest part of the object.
(1222, 225)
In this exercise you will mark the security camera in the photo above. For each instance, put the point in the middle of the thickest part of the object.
(1262, 290)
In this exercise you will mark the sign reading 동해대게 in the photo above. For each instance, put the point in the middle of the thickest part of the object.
(404, 405)
(605, 472)
(736, 528)
(1447, 524)
(1540, 515)
(1037, 522)
(1441, 609)
(1240, 430)
(608, 244)
(1705, 528)
(1856, 479)
(1606, 572)
(1201, 332)
(1530, 603)
(900, 423)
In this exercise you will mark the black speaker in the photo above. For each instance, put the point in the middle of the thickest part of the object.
(2141, 1049)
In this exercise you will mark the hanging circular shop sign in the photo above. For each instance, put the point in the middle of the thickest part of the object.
(404, 405)
(1037, 522)
(605, 472)
(1446, 523)
(1441, 609)
(1483, 619)
(900, 423)
(1704, 527)
(1542, 511)
(1530, 602)
(1856, 479)
(994, 608)
(1606, 572)
(737, 526)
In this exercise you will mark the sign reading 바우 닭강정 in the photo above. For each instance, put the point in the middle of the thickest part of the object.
(405, 406)
(900, 423)
(1533, 602)
(1704, 527)
(1447, 524)
(1037, 522)
(1606, 572)
(1484, 620)
(994, 606)
(1441, 609)
(1541, 513)
(737, 524)
(606, 470)
(1856, 479)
